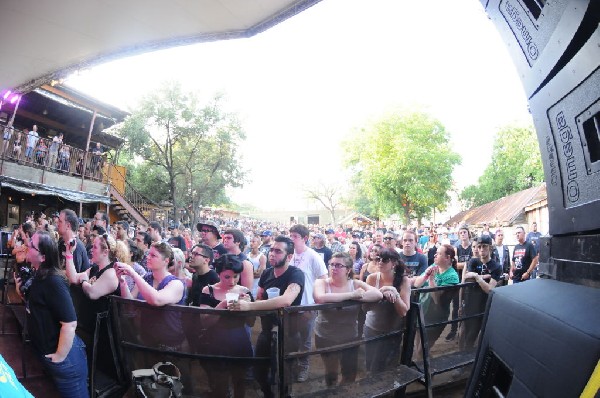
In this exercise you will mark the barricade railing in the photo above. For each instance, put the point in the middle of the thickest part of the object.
(208, 346)
(267, 348)
(340, 361)
(436, 353)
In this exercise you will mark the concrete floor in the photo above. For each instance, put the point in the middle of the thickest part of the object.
(13, 351)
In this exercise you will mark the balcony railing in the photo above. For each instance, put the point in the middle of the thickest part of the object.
(53, 156)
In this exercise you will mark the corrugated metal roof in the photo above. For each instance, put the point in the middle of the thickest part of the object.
(503, 211)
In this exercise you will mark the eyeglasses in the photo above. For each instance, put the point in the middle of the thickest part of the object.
(388, 238)
(337, 265)
(32, 246)
(196, 254)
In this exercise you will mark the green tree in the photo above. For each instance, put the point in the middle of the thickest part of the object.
(403, 164)
(516, 165)
(186, 148)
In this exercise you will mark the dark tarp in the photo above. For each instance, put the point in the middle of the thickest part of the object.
(41, 189)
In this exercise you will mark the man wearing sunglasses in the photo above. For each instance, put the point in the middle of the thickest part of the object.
(209, 233)
(201, 257)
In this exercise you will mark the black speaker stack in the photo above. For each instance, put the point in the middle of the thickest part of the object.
(541, 338)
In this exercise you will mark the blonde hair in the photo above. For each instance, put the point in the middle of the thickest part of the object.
(121, 252)
(178, 262)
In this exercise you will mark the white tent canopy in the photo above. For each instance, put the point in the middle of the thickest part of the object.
(46, 40)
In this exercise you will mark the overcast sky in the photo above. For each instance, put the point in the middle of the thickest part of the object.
(302, 86)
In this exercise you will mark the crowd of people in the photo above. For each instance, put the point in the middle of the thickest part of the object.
(50, 152)
(266, 267)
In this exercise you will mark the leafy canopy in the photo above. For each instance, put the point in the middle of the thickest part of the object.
(403, 164)
(516, 165)
(188, 150)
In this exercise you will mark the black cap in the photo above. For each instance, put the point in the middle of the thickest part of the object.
(484, 240)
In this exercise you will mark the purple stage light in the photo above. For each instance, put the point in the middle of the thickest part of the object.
(6, 94)
(14, 98)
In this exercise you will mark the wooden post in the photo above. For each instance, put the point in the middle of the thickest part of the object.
(85, 156)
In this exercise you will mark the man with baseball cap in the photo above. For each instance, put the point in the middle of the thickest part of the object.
(209, 234)
(266, 237)
(487, 273)
(335, 245)
(319, 246)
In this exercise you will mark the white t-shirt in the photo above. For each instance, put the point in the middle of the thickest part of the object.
(313, 266)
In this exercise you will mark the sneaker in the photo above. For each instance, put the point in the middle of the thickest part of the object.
(303, 375)
(451, 336)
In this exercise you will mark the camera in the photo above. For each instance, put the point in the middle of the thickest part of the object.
(26, 275)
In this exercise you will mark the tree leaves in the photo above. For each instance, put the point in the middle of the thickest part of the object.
(403, 164)
(516, 165)
(188, 150)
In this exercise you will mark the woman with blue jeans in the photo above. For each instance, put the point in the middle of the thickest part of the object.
(52, 321)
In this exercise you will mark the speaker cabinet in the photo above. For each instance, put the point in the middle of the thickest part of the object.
(540, 339)
(542, 35)
(566, 114)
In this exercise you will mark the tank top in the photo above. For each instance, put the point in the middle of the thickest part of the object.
(339, 324)
(254, 260)
(382, 317)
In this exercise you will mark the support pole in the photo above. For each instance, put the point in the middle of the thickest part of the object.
(85, 157)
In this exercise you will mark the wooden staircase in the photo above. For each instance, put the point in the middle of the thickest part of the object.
(129, 204)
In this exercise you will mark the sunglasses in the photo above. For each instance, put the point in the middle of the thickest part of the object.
(382, 260)
(387, 238)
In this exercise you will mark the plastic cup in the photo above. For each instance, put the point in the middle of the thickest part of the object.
(232, 297)
(273, 292)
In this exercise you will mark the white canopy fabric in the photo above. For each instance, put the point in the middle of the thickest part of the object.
(44, 40)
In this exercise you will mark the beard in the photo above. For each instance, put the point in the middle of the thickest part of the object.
(278, 264)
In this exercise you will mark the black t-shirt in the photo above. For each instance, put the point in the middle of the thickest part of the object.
(49, 303)
(415, 264)
(178, 242)
(325, 253)
(523, 255)
(463, 255)
(431, 254)
(268, 280)
(80, 255)
(491, 268)
(198, 283)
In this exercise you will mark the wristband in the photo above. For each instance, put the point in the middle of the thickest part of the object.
(69, 257)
